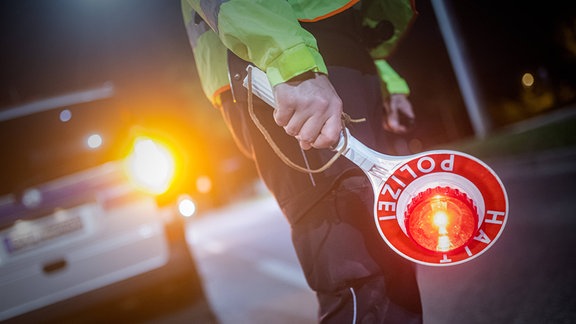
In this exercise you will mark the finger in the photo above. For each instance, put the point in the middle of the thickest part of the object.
(403, 126)
(392, 124)
(295, 124)
(330, 134)
(310, 129)
(392, 118)
(286, 105)
(304, 124)
(305, 145)
(407, 121)
(283, 115)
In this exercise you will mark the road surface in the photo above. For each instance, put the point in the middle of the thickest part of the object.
(529, 276)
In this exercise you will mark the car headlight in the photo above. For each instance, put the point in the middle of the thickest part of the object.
(187, 206)
(151, 166)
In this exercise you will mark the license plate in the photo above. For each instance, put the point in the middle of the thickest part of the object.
(25, 235)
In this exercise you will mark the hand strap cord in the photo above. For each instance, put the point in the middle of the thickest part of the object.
(345, 120)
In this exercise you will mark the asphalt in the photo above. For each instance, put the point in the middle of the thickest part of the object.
(544, 143)
(528, 277)
(525, 278)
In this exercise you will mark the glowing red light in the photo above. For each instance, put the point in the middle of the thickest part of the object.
(441, 219)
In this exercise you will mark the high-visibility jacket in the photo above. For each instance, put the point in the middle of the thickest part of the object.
(209, 56)
(268, 34)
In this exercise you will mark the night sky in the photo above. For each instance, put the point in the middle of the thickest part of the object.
(51, 47)
(505, 38)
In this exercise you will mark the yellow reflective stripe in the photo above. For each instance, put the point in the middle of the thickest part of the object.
(392, 82)
(295, 61)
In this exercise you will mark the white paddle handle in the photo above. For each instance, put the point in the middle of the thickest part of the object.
(398, 180)
(376, 165)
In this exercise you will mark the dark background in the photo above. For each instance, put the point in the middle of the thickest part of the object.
(49, 48)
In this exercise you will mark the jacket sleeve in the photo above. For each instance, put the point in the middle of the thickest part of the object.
(401, 13)
(264, 32)
(209, 55)
(392, 82)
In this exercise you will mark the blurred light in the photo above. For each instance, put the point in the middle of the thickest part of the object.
(31, 198)
(65, 115)
(441, 219)
(186, 206)
(203, 184)
(94, 141)
(146, 231)
(151, 166)
(527, 80)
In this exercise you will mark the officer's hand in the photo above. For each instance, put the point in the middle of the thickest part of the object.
(399, 116)
(310, 110)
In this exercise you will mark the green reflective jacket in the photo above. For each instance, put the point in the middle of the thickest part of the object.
(268, 34)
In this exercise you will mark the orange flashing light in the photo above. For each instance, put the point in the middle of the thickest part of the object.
(441, 219)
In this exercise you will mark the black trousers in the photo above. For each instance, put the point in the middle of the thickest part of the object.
(356, 276)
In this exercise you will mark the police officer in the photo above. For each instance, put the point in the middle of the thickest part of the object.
(323, 58)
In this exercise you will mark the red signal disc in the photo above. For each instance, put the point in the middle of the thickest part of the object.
(441, 219)
(441, 169)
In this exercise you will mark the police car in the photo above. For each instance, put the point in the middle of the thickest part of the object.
(76, 230)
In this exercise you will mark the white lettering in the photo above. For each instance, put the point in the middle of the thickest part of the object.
(407, 168)
(468, 251)
(445, 259)
(448, 165)
(421, 162)
(392, 193)
(385, 218)
(482, 237)
(388, 206)
(494, 218)
(398, 181)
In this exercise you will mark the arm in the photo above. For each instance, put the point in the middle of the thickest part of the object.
(268, 35)
(209, 55)
(395, 92)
